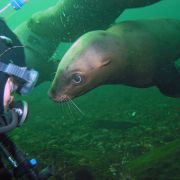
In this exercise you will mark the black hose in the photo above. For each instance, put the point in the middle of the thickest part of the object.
(10, 126)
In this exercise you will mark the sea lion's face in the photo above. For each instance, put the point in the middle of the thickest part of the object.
(80, 70)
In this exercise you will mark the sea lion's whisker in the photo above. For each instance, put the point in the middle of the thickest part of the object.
(73, 103)
(63, 108)
(66, 109)
(74, 107)
(70, 110)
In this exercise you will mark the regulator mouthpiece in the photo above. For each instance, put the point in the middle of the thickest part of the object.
(14, 117)
(21, 109)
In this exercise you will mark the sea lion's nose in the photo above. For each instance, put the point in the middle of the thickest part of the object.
(57, 98)
(52, 94)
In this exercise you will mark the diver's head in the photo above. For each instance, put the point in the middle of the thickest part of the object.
(14, 75)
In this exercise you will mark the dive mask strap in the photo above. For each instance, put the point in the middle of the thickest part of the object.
(29, 76)
(14, 70)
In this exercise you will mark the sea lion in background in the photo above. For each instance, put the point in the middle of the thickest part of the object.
(69, 19)
(134, 53)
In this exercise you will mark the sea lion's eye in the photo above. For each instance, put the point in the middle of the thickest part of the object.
(76, 78)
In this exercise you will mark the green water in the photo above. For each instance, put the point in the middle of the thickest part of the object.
(122, 126)
(14, 18)
(167, 8)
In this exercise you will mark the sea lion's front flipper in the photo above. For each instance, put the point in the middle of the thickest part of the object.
(168, 80)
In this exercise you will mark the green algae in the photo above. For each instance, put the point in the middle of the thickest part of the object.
(160, 163)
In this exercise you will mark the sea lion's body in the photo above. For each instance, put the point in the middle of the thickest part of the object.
(148, 47)
(134, 53)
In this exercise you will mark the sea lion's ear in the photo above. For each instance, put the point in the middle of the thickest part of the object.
(105, 62)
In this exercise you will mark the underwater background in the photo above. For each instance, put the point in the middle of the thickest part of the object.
(124, 133)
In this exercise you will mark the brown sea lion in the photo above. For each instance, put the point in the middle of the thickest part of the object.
(134, 53)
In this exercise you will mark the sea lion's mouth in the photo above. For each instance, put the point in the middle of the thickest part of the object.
(59, 98)
(62, 98)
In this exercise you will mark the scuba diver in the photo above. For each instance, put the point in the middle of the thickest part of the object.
(14, 77)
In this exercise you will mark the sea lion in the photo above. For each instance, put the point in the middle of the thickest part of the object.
(135, 53)
(69, 19)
